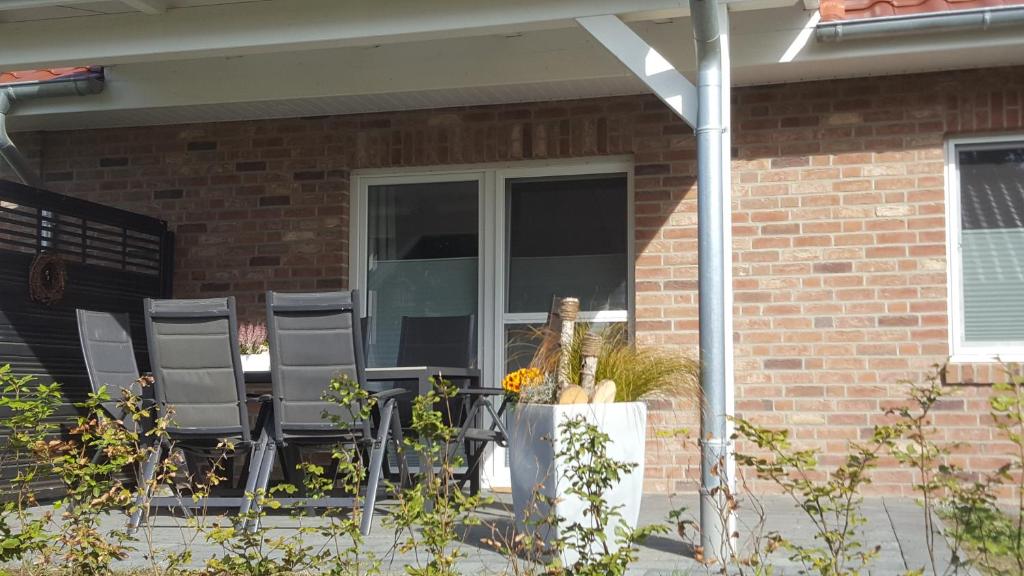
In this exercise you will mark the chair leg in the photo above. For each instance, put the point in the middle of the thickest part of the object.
(262, 480)
(380, 443)
(290, 458)
(252, 468)
(469, 445)
(404, 479)
(473, 468)
(474, 477)
(145, 486)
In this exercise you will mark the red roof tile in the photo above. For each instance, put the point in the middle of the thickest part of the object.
(832, 10)
(42, 75)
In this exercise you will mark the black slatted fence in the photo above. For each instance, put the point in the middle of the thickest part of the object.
(114, 259)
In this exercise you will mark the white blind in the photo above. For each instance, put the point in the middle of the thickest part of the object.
(992, 243)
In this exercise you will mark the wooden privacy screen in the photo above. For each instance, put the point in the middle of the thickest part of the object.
(112, 260)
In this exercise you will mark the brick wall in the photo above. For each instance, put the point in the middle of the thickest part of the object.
(840, 281)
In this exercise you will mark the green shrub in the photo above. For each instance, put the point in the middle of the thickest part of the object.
(832, 505)
(430, 513)
(26, 423)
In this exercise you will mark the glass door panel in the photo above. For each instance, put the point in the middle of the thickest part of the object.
(566, 236)
(422, 258)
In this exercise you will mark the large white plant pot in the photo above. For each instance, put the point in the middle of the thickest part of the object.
(256, 362)
(534, 441)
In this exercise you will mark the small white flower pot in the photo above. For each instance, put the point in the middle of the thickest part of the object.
(256, 362)
(534, 441)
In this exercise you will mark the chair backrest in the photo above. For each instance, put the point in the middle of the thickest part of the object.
(445, 341)
(109, 358)
(314, 337)
(193, 350)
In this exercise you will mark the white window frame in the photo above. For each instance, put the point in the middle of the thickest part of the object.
(549, 171)
(960, 350)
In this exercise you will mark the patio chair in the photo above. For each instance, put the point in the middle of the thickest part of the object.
(449, 341)
(313, 338)
(110, 361)
(194, 355)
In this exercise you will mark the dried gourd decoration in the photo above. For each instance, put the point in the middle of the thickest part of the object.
(47, 279)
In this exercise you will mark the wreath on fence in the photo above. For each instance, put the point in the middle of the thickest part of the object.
(46, 278)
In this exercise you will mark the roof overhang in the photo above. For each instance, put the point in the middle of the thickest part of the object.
(265, 59)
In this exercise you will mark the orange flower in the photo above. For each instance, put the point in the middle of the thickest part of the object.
(514, 382)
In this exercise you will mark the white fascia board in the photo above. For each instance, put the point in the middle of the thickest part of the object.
(278, 25)
(646, 63)
(233, 29)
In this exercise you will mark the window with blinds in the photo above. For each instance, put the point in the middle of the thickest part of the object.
(988, 250)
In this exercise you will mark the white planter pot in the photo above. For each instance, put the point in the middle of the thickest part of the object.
(256, 362)
(534, 441)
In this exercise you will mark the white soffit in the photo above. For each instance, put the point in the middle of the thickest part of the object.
(331, 105)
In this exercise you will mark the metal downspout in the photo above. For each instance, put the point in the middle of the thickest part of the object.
(91, 83)
(8, 151)
(713, 254)
(959, 20)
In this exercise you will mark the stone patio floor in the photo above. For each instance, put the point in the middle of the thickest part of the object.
(894, 524)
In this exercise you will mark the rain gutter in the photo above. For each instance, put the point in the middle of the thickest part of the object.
(980, 20)
(80, 85)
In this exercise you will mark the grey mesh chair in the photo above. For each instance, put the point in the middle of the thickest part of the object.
(313, 338)
(199, 385)
(110, 361)
(450, 341)
(436, 342)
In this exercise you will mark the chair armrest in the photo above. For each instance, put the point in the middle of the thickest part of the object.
(480, 391)
(389, 394)
(454, 372)
(258, 398)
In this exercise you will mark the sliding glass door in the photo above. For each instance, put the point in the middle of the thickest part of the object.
(564, 235)
(498, 243)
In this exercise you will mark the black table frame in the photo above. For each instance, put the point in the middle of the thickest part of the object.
(422, 375)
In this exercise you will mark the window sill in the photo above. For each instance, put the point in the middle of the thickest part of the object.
(987, 358)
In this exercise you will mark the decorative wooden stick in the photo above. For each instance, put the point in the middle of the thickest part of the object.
(590, 349)
(567, 311)
(551, 334)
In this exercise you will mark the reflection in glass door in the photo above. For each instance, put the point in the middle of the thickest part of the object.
(421, 257)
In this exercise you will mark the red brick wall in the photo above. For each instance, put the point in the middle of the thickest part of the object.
(840, 271)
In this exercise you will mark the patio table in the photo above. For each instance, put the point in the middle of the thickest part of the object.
(259, 381)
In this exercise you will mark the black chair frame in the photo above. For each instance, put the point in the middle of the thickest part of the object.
(202, 440)
(314, 337)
